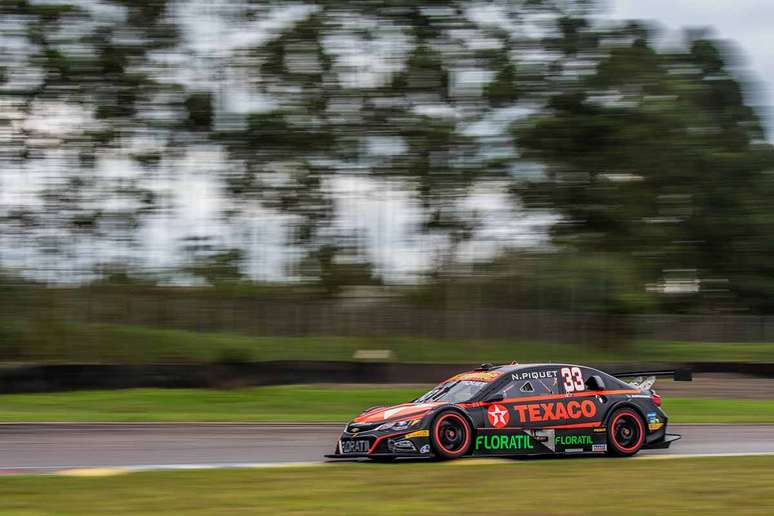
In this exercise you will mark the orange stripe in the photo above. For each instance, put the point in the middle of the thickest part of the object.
(376, 419)
(577, 425)
(365, 418)
(573, 425)
(551, 397)
(564, 396)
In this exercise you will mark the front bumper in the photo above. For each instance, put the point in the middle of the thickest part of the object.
(406, 443)
(371, 455)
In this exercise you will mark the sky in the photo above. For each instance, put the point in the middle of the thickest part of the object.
(746, 23)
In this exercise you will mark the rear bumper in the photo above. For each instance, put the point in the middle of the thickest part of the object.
(663, 443)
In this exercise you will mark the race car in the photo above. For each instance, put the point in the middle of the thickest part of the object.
(517, 409)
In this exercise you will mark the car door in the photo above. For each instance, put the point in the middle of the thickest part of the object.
(582, 407)
(515, 413)
(535, 394)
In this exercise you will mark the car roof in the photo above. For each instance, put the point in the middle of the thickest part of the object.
(509, 368)
(484, 372)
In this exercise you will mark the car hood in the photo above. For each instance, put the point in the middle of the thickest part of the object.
(401, 411)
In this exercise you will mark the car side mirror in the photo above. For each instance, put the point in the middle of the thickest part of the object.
(497, 396)
(595, 383)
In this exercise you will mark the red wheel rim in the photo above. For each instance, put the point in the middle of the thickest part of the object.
(452, 434)
(625, 429)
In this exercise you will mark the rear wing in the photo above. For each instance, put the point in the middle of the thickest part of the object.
(678, 375)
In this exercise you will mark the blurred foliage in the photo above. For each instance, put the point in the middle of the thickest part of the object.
(656, 160)
(560, 281)
(656, 167)
(33, 342)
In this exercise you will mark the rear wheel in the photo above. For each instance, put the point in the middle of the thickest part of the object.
(625, 433)
(450, 435)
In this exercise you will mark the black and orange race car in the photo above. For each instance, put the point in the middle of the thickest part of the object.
(517, 409)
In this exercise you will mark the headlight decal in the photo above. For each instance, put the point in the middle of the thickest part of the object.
(398, 425)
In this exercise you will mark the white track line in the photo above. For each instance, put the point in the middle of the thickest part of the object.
(109, 470)
(702, 455)
(104, 471)
(94, 471)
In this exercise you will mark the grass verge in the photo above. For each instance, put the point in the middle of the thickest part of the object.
(279, 403)
(692, 410)
(303, 403)
(738, 485)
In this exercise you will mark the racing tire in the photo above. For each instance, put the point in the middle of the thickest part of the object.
(625, 433)
(450, 435)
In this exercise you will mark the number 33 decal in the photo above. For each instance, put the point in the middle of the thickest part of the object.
(573, 379)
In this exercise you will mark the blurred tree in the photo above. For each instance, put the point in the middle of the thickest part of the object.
(562, 281)
(200, 111)
(654, 157)
(221, 267)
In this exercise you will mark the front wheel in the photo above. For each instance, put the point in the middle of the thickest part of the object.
(625, 433)
(450, 435)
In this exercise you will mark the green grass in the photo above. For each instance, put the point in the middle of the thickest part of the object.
(137, 344)
(737, 485)
(291, 403)
(702, 351)
(690, 410)
(281, 403)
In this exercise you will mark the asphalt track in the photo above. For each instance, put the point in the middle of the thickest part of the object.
(41, 448)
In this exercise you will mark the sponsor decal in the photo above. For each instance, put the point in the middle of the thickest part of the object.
(599, 447)
(573, 440)
(654, 422)
(476, 376)
(418, 433)
(498, 415)
(573, 379)
(538, 412)
(425, 449)
(404, 445)
(601, 429)
(546, 437)
(354, 446)
(534, 375)
(504, 442)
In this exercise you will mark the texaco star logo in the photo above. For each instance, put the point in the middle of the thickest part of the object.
(498, 416)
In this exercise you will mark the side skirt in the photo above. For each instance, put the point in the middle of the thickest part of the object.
(518, 441)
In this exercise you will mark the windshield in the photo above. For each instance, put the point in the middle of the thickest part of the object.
(454, 391)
